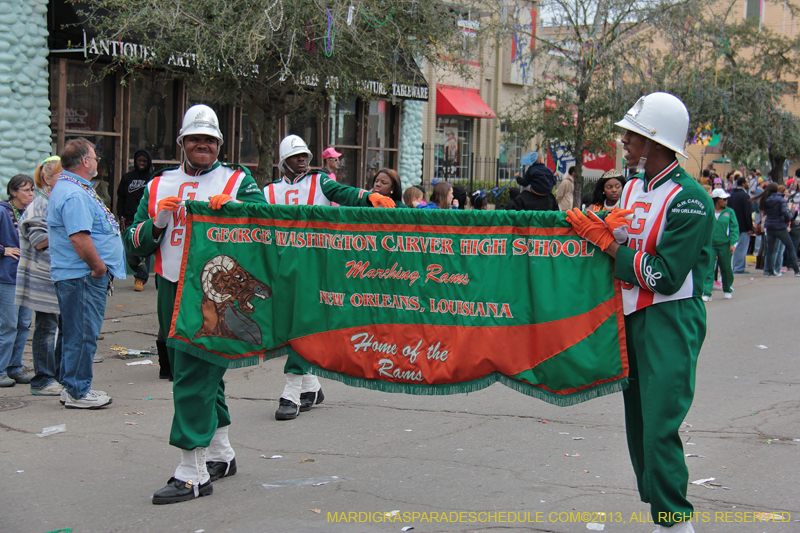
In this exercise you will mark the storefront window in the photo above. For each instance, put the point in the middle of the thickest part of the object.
(453, 136)
(348, 166)
(376, 160)
(344, 123)
(381, 138)
(381, 125)
(91, 102)
(153, 117)
(248, 153)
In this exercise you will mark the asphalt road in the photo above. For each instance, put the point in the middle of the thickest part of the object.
(496, 453)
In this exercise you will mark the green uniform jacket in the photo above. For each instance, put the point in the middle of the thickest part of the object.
(726, 229)
(685, 244)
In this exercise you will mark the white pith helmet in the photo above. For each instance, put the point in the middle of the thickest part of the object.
(292, 145)
(200, 120)
(661, 117)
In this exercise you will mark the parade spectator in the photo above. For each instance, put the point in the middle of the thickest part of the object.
(298, 186)
(201, 420)
(565, 190)
(387, 183)
(739, 202)
(536, 193)
(661, 265)
(777, 216)
(478, 199)
(330, 162)
(460, 196)
(15, 320)
(607, 191)
(441, 197)
(413, 196)
(35, 289)
(723, 240)
(85, 249)
(129, 194)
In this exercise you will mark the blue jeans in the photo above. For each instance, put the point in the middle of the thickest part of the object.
(777, 257)
(83, 305)
(740, 254)
(46, 350)
(783, 236)
(15, 323)
(139, 265)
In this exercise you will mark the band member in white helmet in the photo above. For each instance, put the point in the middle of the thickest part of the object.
(201, 420)
(662, 258)
(298, 186)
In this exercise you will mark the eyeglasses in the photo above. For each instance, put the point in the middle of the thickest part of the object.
(96, 158)
(26, 189)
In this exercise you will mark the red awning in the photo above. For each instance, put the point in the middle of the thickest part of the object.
(461, 101)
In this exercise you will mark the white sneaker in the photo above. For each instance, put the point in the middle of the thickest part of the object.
(728, 295)
(706, 298)
(53, 389)
(64, 395)
(91, 400)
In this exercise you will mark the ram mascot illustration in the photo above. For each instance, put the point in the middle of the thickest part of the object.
(228, 290)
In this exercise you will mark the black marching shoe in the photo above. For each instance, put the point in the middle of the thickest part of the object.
(180, 491)
(309, 399)
(220, 469)
(287, 410)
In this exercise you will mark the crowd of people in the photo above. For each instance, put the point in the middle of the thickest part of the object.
(61, 248)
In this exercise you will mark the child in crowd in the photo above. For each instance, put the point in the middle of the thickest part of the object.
(413, 197)
(478, 200)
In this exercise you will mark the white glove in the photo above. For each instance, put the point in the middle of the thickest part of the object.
(166, 209)
(621, 234)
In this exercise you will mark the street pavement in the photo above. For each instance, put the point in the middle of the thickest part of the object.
(498, 454)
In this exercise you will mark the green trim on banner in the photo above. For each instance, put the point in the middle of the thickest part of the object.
(561, 400)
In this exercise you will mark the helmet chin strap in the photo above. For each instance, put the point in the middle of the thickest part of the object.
(187, 163)
(643, 159)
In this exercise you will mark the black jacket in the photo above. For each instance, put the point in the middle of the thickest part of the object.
(131, 188)
(777, 214)
(741, 205)
(528, 201)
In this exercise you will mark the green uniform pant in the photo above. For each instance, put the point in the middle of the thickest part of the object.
(295, 364)
(723, 255)
(663, 343)
(198, 391)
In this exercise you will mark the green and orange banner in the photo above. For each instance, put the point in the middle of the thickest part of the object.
(404, 300)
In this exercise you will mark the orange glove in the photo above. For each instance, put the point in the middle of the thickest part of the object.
(379, 200)
(616, 218)
(166, 208)
(592, 229)
(217, 201)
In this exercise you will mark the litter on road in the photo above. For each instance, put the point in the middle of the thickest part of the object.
(52, 430)
(314, 481)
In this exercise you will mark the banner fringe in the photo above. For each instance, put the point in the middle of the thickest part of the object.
(212, 358)
(474, 386)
